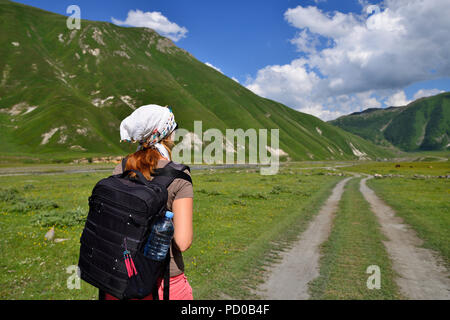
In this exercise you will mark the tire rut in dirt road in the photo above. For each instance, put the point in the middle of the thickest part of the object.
(289, 279)
(421, 275)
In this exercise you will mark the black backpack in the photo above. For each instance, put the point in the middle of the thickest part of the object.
(122, 211)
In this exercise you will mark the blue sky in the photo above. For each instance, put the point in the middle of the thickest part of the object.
(281, 49)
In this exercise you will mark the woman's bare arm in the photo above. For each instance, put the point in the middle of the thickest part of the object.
(182, 222)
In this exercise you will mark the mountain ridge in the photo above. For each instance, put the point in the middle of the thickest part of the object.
(64, 92)
(422, 125)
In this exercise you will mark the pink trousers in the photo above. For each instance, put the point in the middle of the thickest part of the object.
(180, 289)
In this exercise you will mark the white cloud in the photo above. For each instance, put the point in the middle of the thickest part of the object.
(426, 93)
(290, 83)
(398, 99)
(214, 67)
(305, 42)
(367, 100)
(320, 112)
(319, 23)
(367, 57)
(153, 20)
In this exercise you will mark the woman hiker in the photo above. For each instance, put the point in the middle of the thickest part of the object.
(153, 127)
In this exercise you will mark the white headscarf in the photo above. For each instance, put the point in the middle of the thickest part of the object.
(149, 124)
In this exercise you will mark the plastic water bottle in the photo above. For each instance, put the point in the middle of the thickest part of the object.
(158, 242)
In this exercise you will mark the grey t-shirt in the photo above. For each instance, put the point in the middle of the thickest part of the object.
(178, 189)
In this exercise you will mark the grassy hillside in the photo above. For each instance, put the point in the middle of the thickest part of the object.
(63, 93)
(422, 125)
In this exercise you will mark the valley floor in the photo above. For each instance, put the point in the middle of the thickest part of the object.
(245, 226)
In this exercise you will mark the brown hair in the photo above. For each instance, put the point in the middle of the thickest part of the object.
(146, 159)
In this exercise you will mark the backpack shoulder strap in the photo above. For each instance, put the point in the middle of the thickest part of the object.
(124, 163)
(166, 175)
(179, 166)
(170, 172)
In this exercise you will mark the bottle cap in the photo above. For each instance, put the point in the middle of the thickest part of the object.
(169, 214)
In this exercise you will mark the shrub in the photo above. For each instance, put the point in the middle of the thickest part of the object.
(9, 195)
(301, 193)
(17, 203)
(238, 203)
(256, 196)
(28, 187)
(209, 193)
(25, 205)
(279, 189)
(60, 218)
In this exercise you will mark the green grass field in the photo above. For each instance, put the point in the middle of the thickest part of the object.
(241, 220)
(407, 169)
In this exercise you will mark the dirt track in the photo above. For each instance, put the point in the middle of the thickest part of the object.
(300, 264)
(421, 275)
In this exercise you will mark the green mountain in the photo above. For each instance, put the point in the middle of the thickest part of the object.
(63, 93)
(421, 125)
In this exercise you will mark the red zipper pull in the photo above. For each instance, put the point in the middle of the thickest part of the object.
(127, 264)
(132, 266)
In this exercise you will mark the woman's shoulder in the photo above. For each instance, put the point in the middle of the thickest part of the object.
(117, 169)
(162, 163)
